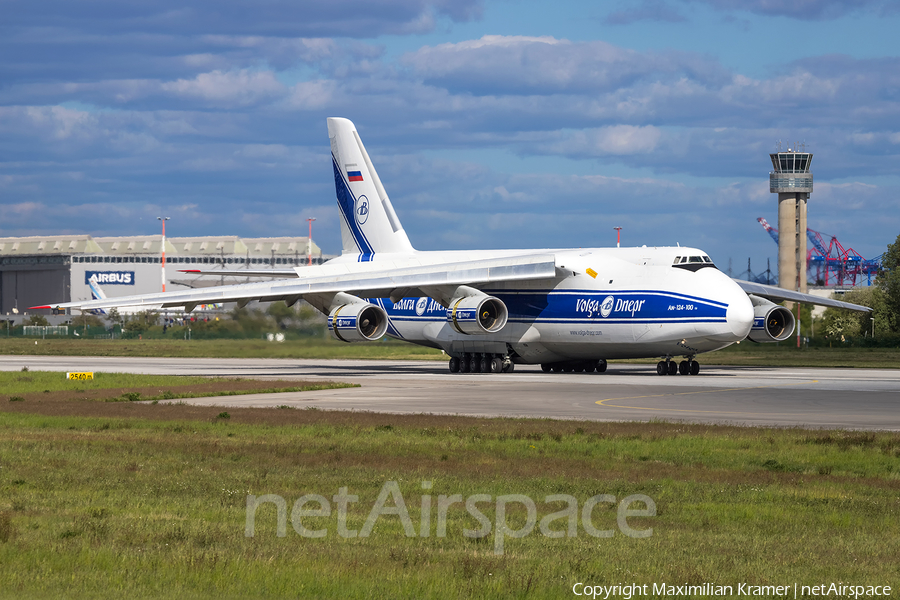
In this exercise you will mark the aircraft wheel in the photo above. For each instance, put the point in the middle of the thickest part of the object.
(475, 364)
(673, 368)
(497, 365)
(695, 367)
(509, 368)
(465, 363)
(661, 368)
(485, 364)
(454, 365)
(567, 368)
(578, 368)
(557, 368)
(601, 366)
(545, 367)
(684, 367)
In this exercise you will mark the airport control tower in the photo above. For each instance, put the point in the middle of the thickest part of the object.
(793, 183)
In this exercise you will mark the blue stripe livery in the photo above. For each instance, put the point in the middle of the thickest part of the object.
(579, 306)
(347, 203)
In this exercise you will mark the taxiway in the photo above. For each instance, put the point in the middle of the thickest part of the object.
(833, 398)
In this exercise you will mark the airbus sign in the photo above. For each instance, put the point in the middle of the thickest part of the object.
(110, 277)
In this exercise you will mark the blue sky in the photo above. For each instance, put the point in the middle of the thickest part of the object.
(492, 123)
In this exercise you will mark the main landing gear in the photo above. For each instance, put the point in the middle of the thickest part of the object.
(685, 367)
(575, 366)
(477, 362)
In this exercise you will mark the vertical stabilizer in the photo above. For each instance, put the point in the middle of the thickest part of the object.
(369, 224)
(96, 292)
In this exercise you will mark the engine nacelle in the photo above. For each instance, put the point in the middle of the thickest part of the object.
(477, 315)
(771, 323)
(358, 322)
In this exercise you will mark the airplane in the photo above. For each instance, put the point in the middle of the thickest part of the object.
(488, 310)
(97, 293)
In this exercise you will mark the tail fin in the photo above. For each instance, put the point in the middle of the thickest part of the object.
(369, 224)
(96, 292)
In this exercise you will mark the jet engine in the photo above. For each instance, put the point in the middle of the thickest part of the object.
(771, 323)
(477, 315)
(357, 322)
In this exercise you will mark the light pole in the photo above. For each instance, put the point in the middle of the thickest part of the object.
(163, 274)
(309, 243)
(873, 327)
(618, 235)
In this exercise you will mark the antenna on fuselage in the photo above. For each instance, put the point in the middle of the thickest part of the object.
(618, 236)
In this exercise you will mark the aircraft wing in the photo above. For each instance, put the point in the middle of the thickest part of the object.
(372, 282)
(770, 292)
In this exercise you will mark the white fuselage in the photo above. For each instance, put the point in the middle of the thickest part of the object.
(604, 303)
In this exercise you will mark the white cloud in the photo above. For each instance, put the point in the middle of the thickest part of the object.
(240, 88)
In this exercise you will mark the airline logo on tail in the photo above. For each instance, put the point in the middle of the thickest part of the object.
(361, 209)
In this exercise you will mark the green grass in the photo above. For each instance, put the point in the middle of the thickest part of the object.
(135, 508)
(305, 348)
(15, 384)
(23, 382)
(787, 354)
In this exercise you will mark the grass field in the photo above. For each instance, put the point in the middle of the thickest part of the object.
(305, 348)
(745, 354)
(99, 507)
(54, 387)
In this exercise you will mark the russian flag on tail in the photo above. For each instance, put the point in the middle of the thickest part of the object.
(354, 176)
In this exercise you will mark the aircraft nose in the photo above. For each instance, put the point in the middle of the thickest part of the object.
(739, 314)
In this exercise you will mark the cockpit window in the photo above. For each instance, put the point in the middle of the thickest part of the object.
(693, 263)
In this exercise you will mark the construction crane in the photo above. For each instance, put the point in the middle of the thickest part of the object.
(831, 263)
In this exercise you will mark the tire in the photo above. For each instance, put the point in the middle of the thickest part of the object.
(485, 364)
(454, 365)
(557, 368)
(545, 367)
(497, 365)
(601, 366)
(465, 364)
(684, 367)
(661, 368)
(509, 368)
(695, 367)
(673, 367)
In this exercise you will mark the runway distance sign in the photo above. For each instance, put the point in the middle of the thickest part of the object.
(80, 376)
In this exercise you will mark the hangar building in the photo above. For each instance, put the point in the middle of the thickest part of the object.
(48, 270)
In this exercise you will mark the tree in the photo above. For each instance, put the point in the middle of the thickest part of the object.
(888, 281)
(837, 322)
(87, 320)
(38, 320)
